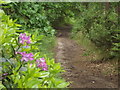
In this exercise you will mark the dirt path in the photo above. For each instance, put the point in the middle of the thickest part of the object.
(79, 70)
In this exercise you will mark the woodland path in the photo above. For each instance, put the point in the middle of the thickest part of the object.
(79, 70)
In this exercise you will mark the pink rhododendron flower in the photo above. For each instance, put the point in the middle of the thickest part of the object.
(42, 64)
(25, 56)
(24, 39)
(42, 59)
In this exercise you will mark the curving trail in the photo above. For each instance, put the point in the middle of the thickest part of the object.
(79, 70)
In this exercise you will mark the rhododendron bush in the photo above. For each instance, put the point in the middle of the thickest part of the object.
(23, 66)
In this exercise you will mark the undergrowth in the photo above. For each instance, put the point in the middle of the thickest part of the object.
(96, 54)
(91, 49)
(48, 44)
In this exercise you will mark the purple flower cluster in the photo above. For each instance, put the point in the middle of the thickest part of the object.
(29, 56)
(24, 39)
(42, 64)
(25, 56)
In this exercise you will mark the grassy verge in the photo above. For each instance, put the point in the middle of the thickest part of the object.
(47, 46)
(96, 53)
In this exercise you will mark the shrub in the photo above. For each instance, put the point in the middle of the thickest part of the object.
(23, 66)
(99, 25)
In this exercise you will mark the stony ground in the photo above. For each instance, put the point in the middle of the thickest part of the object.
(79, 69)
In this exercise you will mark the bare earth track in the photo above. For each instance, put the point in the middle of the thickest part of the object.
(79, 70)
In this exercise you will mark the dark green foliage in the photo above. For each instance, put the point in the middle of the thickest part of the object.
(31, 16)
(99, 25)
(39, 15)
(116, 44)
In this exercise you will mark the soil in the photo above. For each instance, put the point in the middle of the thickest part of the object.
(80, 71)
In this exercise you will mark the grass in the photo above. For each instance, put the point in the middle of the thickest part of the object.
(95, 53)
(91, 50)
(47, 46)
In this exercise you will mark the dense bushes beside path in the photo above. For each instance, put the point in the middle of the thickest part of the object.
(99, 23)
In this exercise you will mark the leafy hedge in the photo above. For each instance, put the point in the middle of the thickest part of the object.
(41, 15)
(31, 15)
